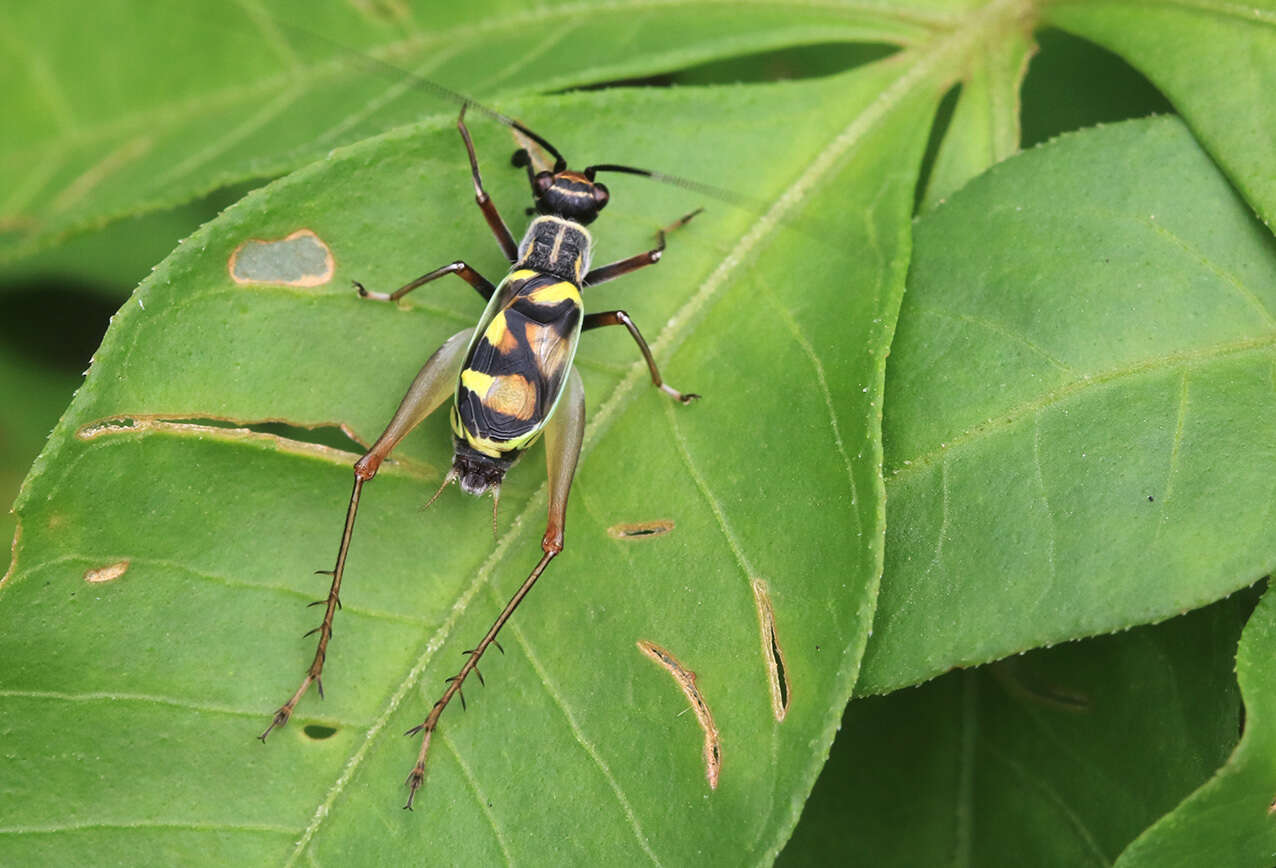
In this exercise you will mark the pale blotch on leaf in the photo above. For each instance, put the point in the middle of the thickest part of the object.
(109, 573)
(686, 679)
(301, 259)
(772, 653)
(640, 529)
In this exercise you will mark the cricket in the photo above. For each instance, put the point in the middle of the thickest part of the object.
(510, 377)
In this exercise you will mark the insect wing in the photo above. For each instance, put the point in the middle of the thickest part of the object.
(518, 360)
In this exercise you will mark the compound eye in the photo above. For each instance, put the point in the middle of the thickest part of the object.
(601, 195)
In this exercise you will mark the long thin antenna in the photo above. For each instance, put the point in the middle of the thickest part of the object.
(384, 67)
(397, 73)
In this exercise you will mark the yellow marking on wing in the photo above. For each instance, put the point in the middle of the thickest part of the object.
(498, 334)
(554, 293)
(476, 381)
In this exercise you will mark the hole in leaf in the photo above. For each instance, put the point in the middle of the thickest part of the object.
(640, 529)
(772, 653)
(107, 573)
(686, 679)
(318, 732)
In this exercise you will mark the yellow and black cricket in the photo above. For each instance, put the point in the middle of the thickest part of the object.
(510, 377)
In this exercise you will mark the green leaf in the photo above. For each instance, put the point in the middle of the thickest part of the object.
(183, 98)
(189, 650)
(1243, 791)
(128, 702)
(1214, 62)
(984, 129)
(1058, 757)
(1079, 418)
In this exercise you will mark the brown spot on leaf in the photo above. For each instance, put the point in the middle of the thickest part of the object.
(686, 679)
(108, 573)
(301, 259)
(630, 530)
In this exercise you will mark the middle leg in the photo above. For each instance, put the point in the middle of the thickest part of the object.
(619, 317)
(481, 284)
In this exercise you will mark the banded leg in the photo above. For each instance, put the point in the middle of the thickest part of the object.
(493, 217)
(563, 435)
(605, 273)
(619, 317)
(481, 284)
(432, 386)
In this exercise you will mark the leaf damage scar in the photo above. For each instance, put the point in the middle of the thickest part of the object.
(635, 530)
(301, 259)
(686, 679)
(236, 430)
(772, 653)
(109, 573)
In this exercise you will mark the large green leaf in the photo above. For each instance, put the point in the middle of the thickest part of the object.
(157, 680)
(129, 743)
(186, 97)
(1058, 757)
(1079, 418)
(1213, 60)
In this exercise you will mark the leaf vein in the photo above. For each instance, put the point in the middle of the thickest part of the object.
(579, 735)
(148, 824)
(481, 799)
(1045, 501)
(1154, 365)
(786, 316)
(232, 136)
(997, 328)
(1226, 276)
(149, 699)
(1074, 821)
